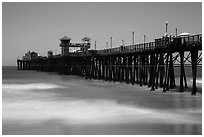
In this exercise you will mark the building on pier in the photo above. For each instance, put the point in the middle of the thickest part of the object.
(78, 47)
(65, 44)
(86, 44)
(30, 55)
(50, 54)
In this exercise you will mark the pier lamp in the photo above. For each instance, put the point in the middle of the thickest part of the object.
(166, 28)
(95, 45)
(133, 38)
(176, 32)
(144, 40)
(111, 41)
(123, 43)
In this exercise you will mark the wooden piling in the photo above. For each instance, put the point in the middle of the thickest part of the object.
(171, 71)
(134, 70)
(194, 56)
(165, 88)
(137, 69)
(140, 70)
(155, 60)
(181, 88)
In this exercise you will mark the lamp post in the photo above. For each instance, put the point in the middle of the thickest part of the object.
(176, 32)
(95, 45)
(111, 41)
(166, 27)
(133, 38)
(144, 41)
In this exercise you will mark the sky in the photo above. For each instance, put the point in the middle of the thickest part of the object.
(39, 26)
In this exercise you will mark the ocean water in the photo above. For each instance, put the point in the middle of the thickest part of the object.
(47, 103)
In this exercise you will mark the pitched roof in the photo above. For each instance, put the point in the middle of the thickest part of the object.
(65, 38)
(86, 39)
(33, 52)
(184, 34)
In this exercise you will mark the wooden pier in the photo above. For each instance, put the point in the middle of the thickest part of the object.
(151, 64)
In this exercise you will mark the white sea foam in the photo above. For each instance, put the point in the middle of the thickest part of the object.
(29, 86)
(35, 107)
(93, 111)
(198, 81)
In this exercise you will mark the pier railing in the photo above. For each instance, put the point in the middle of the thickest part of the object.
(160, 43)
(193, 40)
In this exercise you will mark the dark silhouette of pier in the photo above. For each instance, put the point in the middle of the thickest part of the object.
(150, 64)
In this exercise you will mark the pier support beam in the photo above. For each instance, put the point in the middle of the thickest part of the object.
(21, 67)
(134, 70)
(140, 70)
(18, 67)
(120, 68)
(154, 71)
(137, 68)
(161, 70)
(171, 71)
(181, 88)
(194, 56)
(151, 68)
(165, 87)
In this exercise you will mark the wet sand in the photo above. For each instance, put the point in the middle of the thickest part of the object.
(57, 127)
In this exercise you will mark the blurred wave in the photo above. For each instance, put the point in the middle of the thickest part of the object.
(29, 86)
(37, 103)
(87, 111)
(198, 81)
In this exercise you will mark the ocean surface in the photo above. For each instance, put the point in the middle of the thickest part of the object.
(47, 103)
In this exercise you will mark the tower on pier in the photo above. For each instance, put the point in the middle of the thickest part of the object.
(65, 43)
(85, 44)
